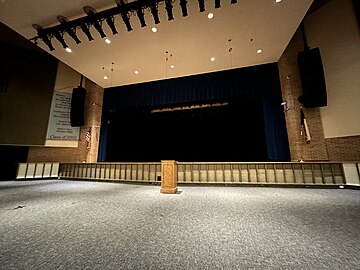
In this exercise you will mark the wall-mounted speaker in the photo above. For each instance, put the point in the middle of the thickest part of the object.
(312, 79)
(77, 107)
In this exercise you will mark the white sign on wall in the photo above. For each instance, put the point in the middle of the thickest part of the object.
(59, 127)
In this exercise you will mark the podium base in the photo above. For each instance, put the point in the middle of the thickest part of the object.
(168, 190)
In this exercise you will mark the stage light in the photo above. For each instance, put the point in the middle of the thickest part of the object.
(60, 38)
(86, 29)
(217, 4)
(126, 20)
(70, 31)
(155, 13)
(111, 23)
(183, 4)
(140, 14)
(201, 5)
(98, 27)
(169, 9)
(46, 39)
(124, 15)
(233, 2)
(91, 11)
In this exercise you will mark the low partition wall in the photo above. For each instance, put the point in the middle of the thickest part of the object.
(133, 172)
(352, 173)
(261, 173)
(265, 173)
(37, 170)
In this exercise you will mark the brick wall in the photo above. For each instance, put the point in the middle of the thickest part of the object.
(93, 108)
(344, 148)
(291, 90)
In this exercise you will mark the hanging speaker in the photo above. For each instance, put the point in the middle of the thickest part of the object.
(77, 107)
(312, 79)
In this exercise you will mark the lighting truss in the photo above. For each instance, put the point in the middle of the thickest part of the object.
(95, 19)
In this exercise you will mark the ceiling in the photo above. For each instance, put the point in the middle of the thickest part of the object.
(190, 41)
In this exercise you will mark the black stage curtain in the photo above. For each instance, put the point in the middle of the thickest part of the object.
(257, 87)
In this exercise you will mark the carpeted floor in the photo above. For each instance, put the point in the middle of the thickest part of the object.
(52, 224)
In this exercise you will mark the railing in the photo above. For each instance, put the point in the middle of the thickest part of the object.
(352, 173)
(300, 173)
(132, 172)
(37, 170)
(261, 173)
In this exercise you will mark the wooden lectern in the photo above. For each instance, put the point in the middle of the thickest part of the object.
(168, 176)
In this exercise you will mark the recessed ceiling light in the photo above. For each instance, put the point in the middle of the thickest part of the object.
(259, 51)
(68, 50)
(277, 1)
(172, 66)
(108, 41)
(211, 15)
(212, 59)
(154, 29)
(136, 72)
(105, 77)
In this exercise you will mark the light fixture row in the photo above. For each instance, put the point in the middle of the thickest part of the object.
(96, 20)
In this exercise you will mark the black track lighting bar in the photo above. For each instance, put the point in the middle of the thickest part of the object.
(99, 16)
(122, 8)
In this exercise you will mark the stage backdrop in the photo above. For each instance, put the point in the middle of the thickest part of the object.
(233, 115)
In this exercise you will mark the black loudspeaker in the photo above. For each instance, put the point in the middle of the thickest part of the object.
(77, 107)
(312, 79)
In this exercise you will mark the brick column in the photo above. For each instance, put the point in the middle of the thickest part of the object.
(168, 176)
(93, 111)
(291, 90)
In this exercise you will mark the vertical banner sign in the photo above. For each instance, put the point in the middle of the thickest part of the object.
(59, 122)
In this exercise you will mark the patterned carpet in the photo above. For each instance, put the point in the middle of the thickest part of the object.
(52, 224)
